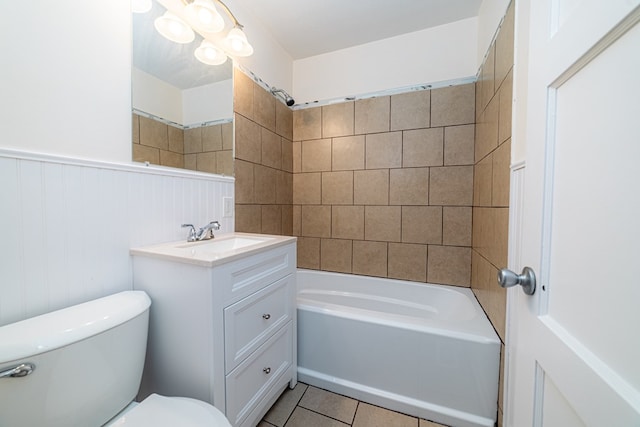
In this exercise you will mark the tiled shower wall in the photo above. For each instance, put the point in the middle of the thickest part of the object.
(491, 177)
(263, 159)
(204, 149)
(384, 186)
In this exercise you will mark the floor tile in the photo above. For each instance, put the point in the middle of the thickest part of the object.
(283, 408)
(374, 416)
(330, 404)
(302, 417)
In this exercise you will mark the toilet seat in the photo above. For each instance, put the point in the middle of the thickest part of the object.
(162, 411)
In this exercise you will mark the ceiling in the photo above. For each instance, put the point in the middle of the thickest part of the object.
(302, 27)
(306, 28)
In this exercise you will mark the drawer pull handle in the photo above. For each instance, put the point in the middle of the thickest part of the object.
(267, 371)
(266, 316)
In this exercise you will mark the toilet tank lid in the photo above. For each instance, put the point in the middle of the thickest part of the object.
(68, 325)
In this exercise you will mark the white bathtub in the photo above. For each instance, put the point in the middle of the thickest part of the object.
(425, 350)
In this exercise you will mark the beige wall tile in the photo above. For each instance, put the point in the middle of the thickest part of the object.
(284, 121)
(411, 110)
(212, 138)
(482, 185)
(372, 115)
(347, 222)
(490, 234)
(335, 255)
(191, 161)
(244, 182)
(271, 149)
(451, 185)
(382, 223)
(422, 224)
(296, 154)
(264, 108)
(316, 221)
(296, 212)
(487, 130)
(338, 119)
(506, 103)
(287, 154)
(171, 159)
(487, 76)
(264, 184)
(287, 220)
(308, 253)
(193, 141)
(224, 162)
(347, 153)
(479, 100)
(449, 265)
(248, 140)
(459, 145)
(306, 189)
(370, 258)
(383, 150)
(316, 155)
(271, 219)
(422, 147)
(135, 128)
(206, 162)
(453, 105)
(409, 186)
(337, 188)
(456, 226)
(227, 136)
(284, 188)
(501, 175)
(371, 187)
(307, 124)
(505, 45)
(243, 86)
(153, 133)
(142, 153)
(176, 139)
(408, 262)
(491, 296)
(248, 218)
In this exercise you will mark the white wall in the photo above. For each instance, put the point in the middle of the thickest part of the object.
(207, 103)
(65, 82)
(154, 96)
(66, 226)
(489, 17)
(443, 53)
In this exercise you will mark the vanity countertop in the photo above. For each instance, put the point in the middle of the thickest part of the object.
(210, 253)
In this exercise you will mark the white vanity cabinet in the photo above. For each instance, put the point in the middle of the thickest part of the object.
(224, 330)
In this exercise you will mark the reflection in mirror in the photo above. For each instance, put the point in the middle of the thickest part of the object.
(182, 108)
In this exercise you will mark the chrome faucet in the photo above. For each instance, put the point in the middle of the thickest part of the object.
(206, 232)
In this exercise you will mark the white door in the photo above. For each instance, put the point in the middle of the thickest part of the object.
(573, 348)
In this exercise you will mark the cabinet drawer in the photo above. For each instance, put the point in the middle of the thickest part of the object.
(252, 379)
(238, 279)
(249, 322)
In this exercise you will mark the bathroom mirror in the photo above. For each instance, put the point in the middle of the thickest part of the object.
(182, 108)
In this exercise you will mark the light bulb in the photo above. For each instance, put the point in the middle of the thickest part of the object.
(203, 15)
(210, 54)
(174, 28)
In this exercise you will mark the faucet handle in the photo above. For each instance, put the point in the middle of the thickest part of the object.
(215, 225)
(192, 232)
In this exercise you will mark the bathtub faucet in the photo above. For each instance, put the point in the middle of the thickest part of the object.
(206, 232)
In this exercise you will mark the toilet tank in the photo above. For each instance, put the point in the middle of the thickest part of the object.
(88, 362)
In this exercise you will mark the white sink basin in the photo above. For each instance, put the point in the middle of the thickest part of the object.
(219, 250)
(221, 245)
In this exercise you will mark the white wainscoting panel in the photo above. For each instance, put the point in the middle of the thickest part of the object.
(66, 225)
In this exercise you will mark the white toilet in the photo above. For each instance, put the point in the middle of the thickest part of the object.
(82, 365)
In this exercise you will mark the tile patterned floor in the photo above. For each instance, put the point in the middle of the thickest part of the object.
(308, 406)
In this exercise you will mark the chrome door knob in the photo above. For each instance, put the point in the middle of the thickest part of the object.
(507, 279)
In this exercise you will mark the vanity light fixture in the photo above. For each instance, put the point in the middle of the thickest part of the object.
(202, 15)
(174, 28)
